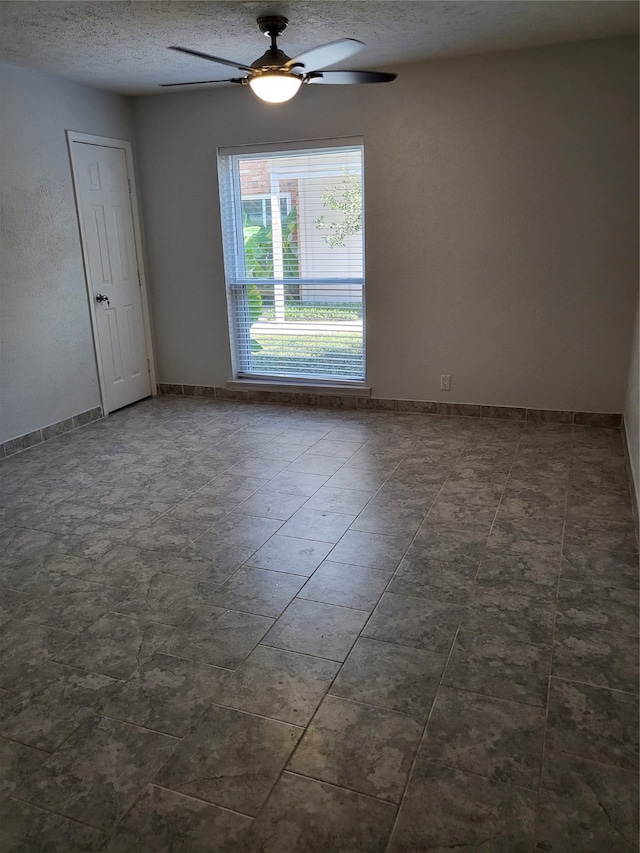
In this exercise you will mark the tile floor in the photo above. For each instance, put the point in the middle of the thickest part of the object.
(230, 627)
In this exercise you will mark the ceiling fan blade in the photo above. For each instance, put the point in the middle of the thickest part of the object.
(202, 82)
(211, 58)
(326, 54)
(346, 77)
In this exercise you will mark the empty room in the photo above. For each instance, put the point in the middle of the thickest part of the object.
(319, 426)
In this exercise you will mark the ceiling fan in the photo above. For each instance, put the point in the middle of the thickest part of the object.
(275, 77)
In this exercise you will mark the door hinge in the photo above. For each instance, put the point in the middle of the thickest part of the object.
(139, 279)
(148, 366)
(129, 183)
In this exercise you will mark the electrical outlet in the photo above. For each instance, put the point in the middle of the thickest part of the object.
(445, 382)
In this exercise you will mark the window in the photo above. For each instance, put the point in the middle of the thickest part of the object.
(294, 261)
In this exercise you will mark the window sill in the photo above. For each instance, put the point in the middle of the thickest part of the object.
(330, 389)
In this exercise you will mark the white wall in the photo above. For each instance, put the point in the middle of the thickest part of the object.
(632, 408)
(501, 222)
(47, 362)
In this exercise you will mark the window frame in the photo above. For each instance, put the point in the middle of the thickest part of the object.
(236, 279)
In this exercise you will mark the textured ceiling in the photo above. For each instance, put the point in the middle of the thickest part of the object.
(122, 45)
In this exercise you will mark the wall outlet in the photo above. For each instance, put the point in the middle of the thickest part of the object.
(445, 382)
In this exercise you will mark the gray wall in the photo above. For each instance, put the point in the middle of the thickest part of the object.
(501, 222)
(632, 408)
(47, 362)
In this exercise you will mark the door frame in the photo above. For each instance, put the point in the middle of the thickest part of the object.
(108, 142)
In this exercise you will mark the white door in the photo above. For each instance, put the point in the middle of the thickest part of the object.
(104, 202)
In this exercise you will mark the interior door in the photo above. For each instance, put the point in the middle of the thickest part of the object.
(104, 202)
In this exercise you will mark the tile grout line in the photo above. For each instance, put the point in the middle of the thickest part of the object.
(596, 686)
(553, 633)
(315, 713)
(41, 807)
(197, 799)
(457, 630)
(403, 796)
(342, 788)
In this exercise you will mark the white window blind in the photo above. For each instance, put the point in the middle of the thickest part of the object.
(293, 236)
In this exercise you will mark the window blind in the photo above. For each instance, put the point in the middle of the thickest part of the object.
(293, 238)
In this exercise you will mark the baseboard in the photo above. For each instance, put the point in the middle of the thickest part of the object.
(38, 436)
(634, 487)
(611, 420)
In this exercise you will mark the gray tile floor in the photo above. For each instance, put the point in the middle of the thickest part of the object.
(229, 627)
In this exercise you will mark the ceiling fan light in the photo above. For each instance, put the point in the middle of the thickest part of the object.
(275, 87)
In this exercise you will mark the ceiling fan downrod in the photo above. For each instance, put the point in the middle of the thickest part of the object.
(272, 26)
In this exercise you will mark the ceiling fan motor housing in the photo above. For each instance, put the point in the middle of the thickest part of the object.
(272, 58)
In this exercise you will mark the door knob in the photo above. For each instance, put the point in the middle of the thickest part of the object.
(101, 298)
